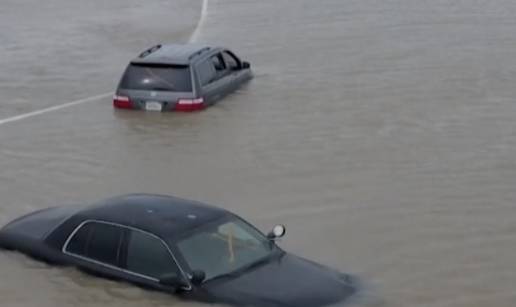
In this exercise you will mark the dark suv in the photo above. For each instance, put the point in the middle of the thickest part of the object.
(176, 77)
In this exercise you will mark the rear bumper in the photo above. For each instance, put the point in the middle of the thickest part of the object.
(165, 106)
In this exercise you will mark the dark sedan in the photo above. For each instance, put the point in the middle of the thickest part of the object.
(197, 251)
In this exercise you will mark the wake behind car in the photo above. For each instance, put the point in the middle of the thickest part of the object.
(197, 251)
(177, 77)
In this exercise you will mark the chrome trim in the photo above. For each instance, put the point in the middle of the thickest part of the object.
(65, 245)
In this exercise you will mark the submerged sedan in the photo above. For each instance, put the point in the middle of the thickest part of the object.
(197, 251)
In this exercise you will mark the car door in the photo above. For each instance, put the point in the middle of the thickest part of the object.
(214, 78)
(95, 247)
(146, 259)
(238, 73)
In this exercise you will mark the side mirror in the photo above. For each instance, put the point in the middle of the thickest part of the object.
(246, 65)
(197, 277)
(172, 280)
(277, 232)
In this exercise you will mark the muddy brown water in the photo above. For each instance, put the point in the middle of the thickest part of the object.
(382, 133)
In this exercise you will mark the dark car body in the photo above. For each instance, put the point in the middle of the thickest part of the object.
(110, 227)
(176, 77)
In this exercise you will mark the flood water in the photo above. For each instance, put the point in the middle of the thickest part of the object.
(381, 133)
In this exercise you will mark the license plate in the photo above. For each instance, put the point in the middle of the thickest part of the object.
(153, 106)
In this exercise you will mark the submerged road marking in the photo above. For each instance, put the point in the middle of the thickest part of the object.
(193, 38)
(53, 108)
(200, 23)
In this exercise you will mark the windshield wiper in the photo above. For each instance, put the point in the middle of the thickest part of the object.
(224, 276)
(246, 268)
(258, 263)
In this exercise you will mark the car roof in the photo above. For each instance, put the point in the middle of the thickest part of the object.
(172, 54)
(162, 215)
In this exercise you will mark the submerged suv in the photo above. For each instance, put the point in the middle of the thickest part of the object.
(176, 77)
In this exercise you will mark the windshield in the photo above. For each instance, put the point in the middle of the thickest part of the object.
(224, 247)
(157, 78)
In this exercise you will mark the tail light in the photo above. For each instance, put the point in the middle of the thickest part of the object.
(122, 102)
(190, 104)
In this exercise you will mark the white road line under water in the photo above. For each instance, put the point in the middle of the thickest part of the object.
(200, 23)
(193, 37)
(51, 109)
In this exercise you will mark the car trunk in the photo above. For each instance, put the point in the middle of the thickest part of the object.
(149, 100)
(156, 87)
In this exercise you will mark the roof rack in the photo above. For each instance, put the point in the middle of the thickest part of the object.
(198, 52)
(149, 51)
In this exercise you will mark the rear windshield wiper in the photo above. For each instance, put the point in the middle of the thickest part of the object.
(157, 88)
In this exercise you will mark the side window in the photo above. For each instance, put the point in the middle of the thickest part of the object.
(147, 255)
(206, 72)
(79, 241)
(97, 241)
(218, 63)
(231, 61)
(104, 243)
(212, 70)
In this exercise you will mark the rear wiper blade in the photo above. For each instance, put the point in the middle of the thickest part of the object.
(161, 89)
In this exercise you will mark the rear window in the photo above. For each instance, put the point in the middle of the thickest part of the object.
(157, 78)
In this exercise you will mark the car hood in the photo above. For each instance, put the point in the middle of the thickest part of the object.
(286, 280)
